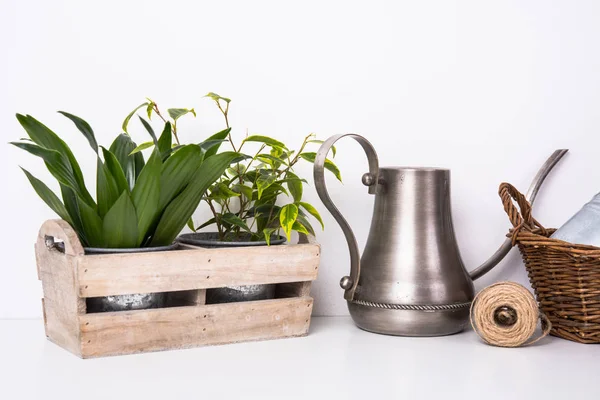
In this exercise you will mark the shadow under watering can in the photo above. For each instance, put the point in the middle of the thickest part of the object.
(410, 280)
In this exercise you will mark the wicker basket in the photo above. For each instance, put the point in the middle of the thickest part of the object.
(565, 276)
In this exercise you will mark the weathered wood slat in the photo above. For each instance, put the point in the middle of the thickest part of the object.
(61, 303)
(113, 274)
(171, 328)
(69, 276)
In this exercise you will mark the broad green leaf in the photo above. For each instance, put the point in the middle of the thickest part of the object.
(143, 146)
(107, 191)
(236, 170)
(287, 217)
(132, 165)
(312, 211)
(145, 195)
(183, 206)
(176, 113)
(84, 128)
(286, 180)
(271, 193)
(207, 223)
(216, 97)
(276, 152)
(267, 232)
(190, 224)
(48, 197)
(149, 129)
(120, 226)
(266, 140)
(304, 221)
(113, 165)
(70, 200)
(57, 164)
(223, 189)
(209, 144)
(269, 159)
(177, 172)
(243, 189)
(138, 160)
(298, 227)
(91, 224)
(234, 220)
(264, 181)
(149, 109)
(128, 117)
(241, 157)
(295, 186)
(329, 165)
(44, 137)
(287, 154)
(266, 210)
(333, 149)
(212, 148)
(164, 141)
(250, 176)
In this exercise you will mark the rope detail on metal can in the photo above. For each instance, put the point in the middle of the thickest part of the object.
(414, 307)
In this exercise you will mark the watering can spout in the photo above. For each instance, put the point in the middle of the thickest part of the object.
(531, 195)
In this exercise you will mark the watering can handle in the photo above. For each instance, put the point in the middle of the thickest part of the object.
(370, 179)
(530, 196)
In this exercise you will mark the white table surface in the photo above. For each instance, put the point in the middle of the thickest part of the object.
(336, 361)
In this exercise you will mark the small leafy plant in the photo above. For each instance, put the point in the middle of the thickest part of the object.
(244, 200)
(138, 203)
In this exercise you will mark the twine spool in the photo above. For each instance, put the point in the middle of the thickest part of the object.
(505, 314)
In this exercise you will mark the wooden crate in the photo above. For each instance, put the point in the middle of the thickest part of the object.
(69, 277)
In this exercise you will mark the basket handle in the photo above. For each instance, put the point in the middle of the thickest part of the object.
(520, 218)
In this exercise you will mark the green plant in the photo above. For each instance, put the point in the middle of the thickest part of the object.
(244, 200)
(138, 203)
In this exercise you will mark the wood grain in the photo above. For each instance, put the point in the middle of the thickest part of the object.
(61, 230)
(180, 327)
(61, 303)
(113, 274)
(69, 276)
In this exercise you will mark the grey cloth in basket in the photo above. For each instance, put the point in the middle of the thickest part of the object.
(584, 226)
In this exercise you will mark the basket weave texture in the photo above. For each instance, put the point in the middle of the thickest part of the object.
(564, 276)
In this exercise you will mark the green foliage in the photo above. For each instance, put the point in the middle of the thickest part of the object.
(138, 204)
(246, 199)
(152, 109)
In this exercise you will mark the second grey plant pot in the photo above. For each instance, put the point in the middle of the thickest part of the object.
(230, 294)
(136, 301)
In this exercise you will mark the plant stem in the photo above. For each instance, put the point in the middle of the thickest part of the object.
(225, 112)
(157, 111)
(217, 222)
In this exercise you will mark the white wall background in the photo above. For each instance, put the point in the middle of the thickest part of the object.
(488, 89)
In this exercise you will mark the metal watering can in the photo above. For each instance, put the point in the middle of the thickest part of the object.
(411, 280)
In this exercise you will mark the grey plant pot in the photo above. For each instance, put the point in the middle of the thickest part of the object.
(230, 294)
(125, 302)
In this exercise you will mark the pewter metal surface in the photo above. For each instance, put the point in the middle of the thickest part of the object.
(348, 283)
(419, 307)
(232, 294)
(210, 240)
(530, 196)
(411, 257)
(126, 302)
(102, 250)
